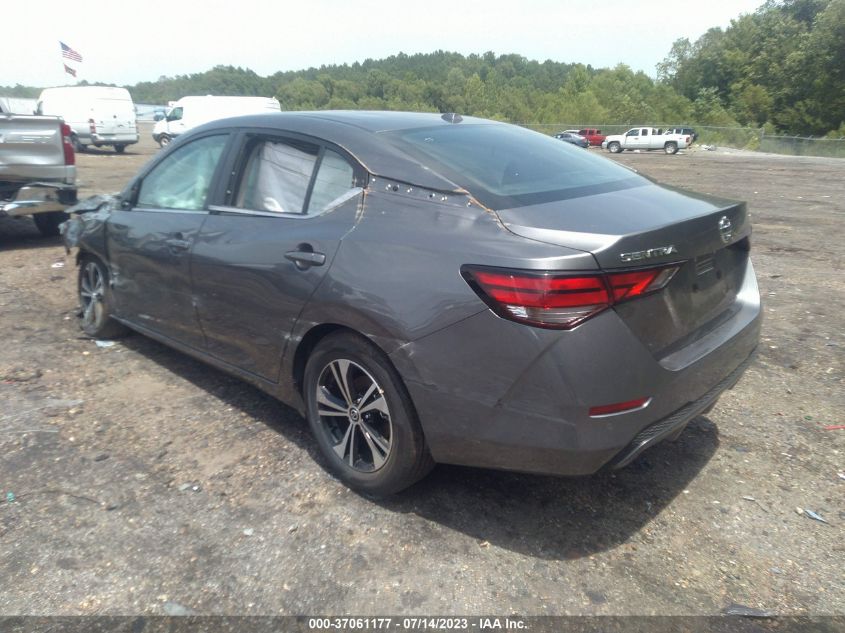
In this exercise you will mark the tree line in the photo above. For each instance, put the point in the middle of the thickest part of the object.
(781, 68)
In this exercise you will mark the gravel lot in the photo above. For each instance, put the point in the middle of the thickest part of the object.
(146, 482)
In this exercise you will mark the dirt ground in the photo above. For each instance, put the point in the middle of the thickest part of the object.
(146, 482)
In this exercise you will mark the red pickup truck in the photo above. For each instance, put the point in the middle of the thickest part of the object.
(593, 135)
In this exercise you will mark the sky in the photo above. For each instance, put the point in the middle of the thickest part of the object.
(127, 42)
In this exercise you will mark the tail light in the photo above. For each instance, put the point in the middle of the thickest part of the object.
(560, 301)
(67, 145)
(92, 126)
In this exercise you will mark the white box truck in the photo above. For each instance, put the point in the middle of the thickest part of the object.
(97, 115)
(189, 112)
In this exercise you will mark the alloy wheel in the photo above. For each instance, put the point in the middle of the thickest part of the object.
(354, 415)
(91, 289)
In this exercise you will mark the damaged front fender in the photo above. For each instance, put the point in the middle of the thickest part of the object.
(85, 230)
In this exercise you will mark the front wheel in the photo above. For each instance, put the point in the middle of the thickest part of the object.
(164, 140)
(48, 223)
(614, 147)
(95, 301)
(362, 417)
(671, 147)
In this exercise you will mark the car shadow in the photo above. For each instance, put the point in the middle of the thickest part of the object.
(544, 517)
(21, 233)
(556, 517)
(106, 150)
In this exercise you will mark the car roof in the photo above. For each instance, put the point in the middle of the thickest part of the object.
(358, 132)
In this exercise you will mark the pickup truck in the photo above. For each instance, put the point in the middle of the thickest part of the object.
(593, 135)
(646, 138)
(37, 169)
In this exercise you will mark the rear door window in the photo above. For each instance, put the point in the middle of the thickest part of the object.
(277, 176)
(296, 177)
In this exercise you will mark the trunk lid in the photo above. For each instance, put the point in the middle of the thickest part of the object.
(649, 226)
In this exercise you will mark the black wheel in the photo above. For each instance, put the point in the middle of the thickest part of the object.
(362, 417)
(614, 147)
(78, 147)
(48, 223)
(120, 148)
(95, 300)
(164, 140)
(671, 147)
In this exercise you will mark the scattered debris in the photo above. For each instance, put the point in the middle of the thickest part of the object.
(101, 457)
(834, 427)
(104, 343)
(249, 532)
(58, 265)
(841, 475)
(176, 609)
(750, 498)
(814, 516)
(294, 528)
(746, 612)
(191, 486)
(10, 497)
(484, 543)
(709, 148)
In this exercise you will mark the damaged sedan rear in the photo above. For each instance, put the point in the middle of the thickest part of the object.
(430, 288)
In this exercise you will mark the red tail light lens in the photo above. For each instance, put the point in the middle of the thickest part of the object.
(619, 407)
(67, 145)
(559, 301)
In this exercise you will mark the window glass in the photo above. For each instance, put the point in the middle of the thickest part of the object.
(333, 185)
(181, 181)
(175, 114)
(633, 133)
(277, 176)
(645, 132)
(505, 166)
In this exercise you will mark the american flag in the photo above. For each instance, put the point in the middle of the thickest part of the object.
(70, 71)
(68, 52)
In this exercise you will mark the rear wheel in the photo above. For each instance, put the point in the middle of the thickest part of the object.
(362, 417)
(614, 147)
(671, 147)
(119, 148)
(48, 223)
(95, 300)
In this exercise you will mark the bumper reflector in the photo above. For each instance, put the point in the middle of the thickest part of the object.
(619, 407)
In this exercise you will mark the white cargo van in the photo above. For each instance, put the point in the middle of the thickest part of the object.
(97, 115)
(189, 112)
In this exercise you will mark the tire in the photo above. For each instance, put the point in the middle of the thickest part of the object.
(671, 147)
(164, 140)
(96, 302)
(614, 147)
(364, 422)
(120, 148)
(78, 147)
(48, 223)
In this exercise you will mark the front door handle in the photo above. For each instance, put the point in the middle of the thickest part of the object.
(306, 259)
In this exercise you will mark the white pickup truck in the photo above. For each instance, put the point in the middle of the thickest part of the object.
(646, 138)
(37, 169)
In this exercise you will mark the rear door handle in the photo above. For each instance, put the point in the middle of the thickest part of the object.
(306, 259)
(178, 243)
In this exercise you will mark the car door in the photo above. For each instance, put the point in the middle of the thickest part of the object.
(259, 258)
(149, 241)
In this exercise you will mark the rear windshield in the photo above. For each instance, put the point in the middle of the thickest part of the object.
(506, 166)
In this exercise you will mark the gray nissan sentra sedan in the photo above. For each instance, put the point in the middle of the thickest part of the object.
(430, 288)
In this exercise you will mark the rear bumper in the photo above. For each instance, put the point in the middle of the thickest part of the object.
(39, 198)
(495, 394)
(109, 139)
